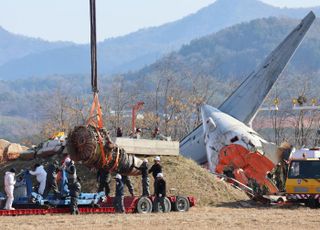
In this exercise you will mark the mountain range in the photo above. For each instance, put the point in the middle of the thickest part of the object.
(234, 52)
(22, 57)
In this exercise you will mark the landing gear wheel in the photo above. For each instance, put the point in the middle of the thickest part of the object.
(182, 204)
(144, 205)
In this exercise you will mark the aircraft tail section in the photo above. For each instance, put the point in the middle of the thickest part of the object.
(245, 101)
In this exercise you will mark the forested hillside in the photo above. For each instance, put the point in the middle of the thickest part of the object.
(138, 49)
(206, 71)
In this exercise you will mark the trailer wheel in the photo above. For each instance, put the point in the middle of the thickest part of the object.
(182, 204)
(167, 206)
(144, 205)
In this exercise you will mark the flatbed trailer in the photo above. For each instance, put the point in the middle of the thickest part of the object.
(132, 205)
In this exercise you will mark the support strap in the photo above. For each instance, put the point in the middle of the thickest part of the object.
(96, 121)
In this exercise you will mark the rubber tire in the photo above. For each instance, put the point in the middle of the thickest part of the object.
(312, 203)
(144, 205)
(280, 200)
(182, 204)
(167, 205)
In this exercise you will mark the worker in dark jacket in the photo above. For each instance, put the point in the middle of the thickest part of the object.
(119, 132)
(73, 186)
(145, 177)
(51, 182)
(118, 199)
(126, 180)
(155, 169)
(104, 178)
(160, 192)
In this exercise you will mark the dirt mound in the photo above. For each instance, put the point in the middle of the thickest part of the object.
(183, 177)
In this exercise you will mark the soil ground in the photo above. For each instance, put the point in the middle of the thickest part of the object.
(219, 206)
(226, 216)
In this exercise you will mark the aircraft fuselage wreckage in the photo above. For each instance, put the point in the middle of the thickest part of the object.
(224, 140)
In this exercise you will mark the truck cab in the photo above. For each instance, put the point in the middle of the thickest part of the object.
(303, 179)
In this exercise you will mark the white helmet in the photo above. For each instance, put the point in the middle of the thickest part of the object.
(67, 160)
(159, 175)
(157, 158)
(145, 160)
(118, 176)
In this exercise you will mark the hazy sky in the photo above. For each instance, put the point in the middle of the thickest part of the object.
(69, 19)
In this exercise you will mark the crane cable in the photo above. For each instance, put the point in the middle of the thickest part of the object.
(93, 43)
(98, 123)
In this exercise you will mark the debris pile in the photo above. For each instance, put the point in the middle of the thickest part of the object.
(10, 151)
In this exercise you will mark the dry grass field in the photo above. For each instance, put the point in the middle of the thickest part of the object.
(196, 218)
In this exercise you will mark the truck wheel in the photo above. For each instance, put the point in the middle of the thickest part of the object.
(311, 203)
(167, 206)
(182, 204)
(280, 200)
(144, 205)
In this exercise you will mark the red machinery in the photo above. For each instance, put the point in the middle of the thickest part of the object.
(138, 106)
(246, 166)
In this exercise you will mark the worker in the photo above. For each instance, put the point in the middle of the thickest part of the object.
(41, 175)
(119, 132)
(157, 135)
(66, 159)
(138, 134)
(160, 192)
(145, 177)
(103, 178)
(51, 182)
(73, 186)
(118, 199)
(9, 182)
(126, 180)
(155, 169)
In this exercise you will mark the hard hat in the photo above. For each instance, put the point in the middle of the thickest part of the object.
(157, 158)
(67, 160)
(145, 160)
(159, 175)
(118, 176)
(138, 130)
(71, 162)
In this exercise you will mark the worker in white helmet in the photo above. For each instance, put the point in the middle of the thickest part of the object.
(118, 199)
(155, 169)
(9, 182)
(160, 193)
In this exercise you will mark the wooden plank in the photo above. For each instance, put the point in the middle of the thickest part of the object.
(148, 147)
